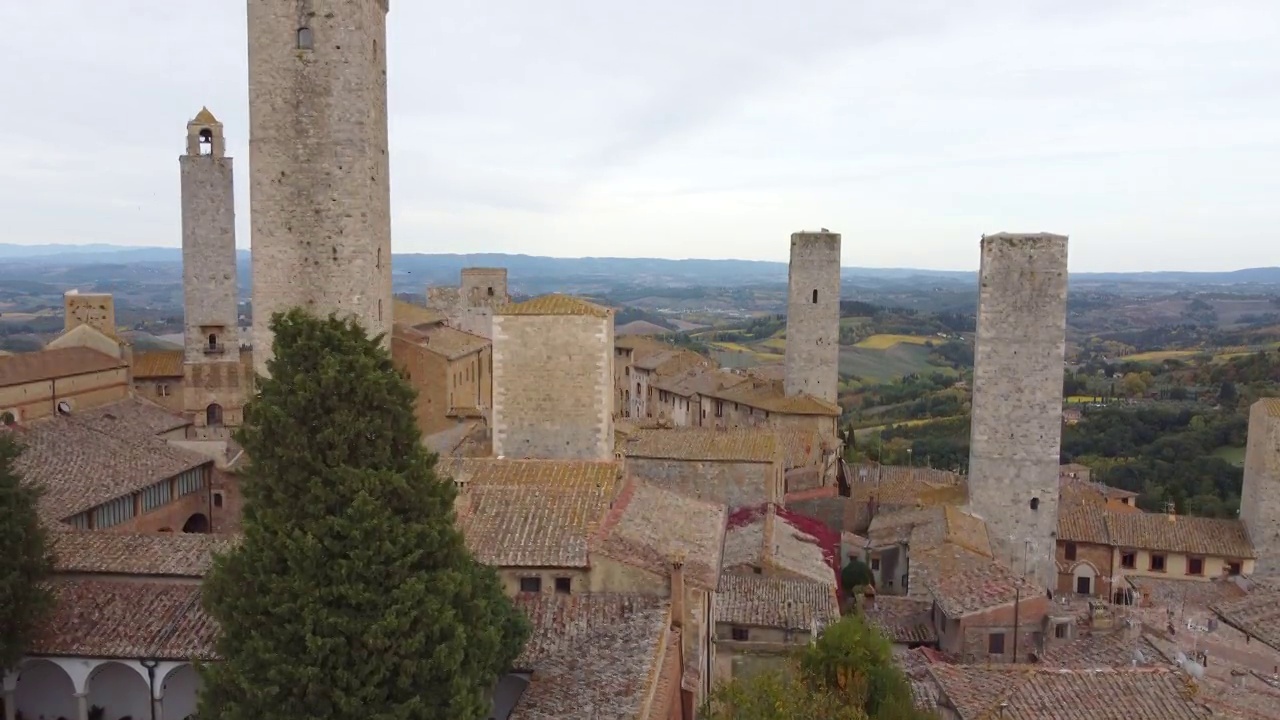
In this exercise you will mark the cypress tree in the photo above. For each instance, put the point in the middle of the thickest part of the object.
(352, 593)
(25, 560)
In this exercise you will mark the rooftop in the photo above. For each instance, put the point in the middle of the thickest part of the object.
(902, 619)
(443, 340)
(126, 619)
(88, 458)
(109, 553)
(1180, 534)
(649, 528)
(698, 381)
(962, 582)
(779, 541)
(157, 364)
(555, 304)
(635, 342)
(738, 445)
(412, 315)
(532, 513)
(899, 485)
(29, 367)
(774, 602)
(1256, 615)
(1113, 649)
(592, 656)
(769, 396)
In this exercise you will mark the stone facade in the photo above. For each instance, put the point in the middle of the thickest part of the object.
(970, 637)
(319, 172)
(97, 310)
(1260, 497)
(813, 315)
(553, 380)
(213, 390)
(452, 372)
(1016, 434)
(470, 306)
(732, 483)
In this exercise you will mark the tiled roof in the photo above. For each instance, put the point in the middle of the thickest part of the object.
(1256, 615)
(902, 619)
(649, 528)
(1102, 650)
(1169, 591)
(962, 582)
(776, 602)
(1032, 693)
(179, 555)
(126, 619)
(770, 538)
(768, 395)
(1180, 533)
(929, 527)
(1082, 522)
(157, 364)
(129, 416)
(532, 513)
(691, 443)
(555, 304)
(802, 447)
(635, 342)
(592, 656)
(698, 381)
(85, 459)
(443, 340)
(666, 695)
(40, 365)
(1271, 406)
(898, 485)
(408, 313)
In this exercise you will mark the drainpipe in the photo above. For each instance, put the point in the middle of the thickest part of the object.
(150, 665)
(1017, 606)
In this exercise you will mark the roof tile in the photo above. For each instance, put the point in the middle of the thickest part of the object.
(157, 364)
(179, 555)
(774, 602)
(771, 539)
(442, 340)
(902, 619)
(555, 304)
(1215, 537)
(30, 367)
(693, 443)
(649, 528)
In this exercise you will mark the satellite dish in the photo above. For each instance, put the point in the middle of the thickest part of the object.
(64, 407)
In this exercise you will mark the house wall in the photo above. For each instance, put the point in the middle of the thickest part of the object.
(1091, 561)
(226, 383)
(968, 636)
(466, 376)
(579, 579)
(226, 502)
(166, 392)
(642, 404)
(1176, 565)
(97, 310)
(429, 374)
(31, 401)
(170, 517)
(764, 647)
(736, 484)
(622, 358)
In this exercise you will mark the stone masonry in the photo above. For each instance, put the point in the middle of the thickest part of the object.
(319, 173)
(813, 315)
(470, 306)
(553, 380)
(1016, 433)
(97, 310)
(1260, 496)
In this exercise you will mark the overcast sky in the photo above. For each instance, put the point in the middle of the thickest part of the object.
(1149, 131)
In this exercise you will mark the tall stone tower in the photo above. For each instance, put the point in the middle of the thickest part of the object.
(213, 386)
(319, 173)
(1016, 432)
(1260, 497)
(470, 306)
(813, 315)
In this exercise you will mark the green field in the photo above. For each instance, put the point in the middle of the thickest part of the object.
(1159, 355)
(885, 365)
(884, 342)
(1233, 455)
(863, 432)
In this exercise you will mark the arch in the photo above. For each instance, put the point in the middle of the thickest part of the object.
(206, 141)
(45, 688)
(1084, 578)
(213, 415)
(213, 341)
(120, 690)
(305, 39)
(180, 687)
(197, 523)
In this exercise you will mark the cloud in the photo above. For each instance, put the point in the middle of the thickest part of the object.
(713, 129)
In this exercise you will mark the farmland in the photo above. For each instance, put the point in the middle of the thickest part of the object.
(884, 342)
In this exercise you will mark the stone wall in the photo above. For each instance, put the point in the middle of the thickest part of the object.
(1091, 561)
(736, 484)
(167, 392)
(813, 315)
(1260, 496)
(553, 387)
(470, 306)
(35, 400)
(1016, 431)
(224, 384)
(97, 310)
(319, 171)
(428, 373)
(968, 637)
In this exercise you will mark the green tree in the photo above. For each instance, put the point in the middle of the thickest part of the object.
(352, 593)
(777, 695)
(856, 575)
(25, 559)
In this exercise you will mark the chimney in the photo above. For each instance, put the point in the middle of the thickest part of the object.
(677, 590)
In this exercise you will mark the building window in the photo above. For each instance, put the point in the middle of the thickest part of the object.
(490, 292)
(719, 408)
(1233, 568)
(740, 634)
(815, 297)
(113, 513)
(156, 495)
(217, 500)
(531, 584)
(995, 644)
(1129, 560)
(162, 389)
(305, 41)
(213, 415)
(1195, 566)
(213, 341)
(1070, 551)
(875, 563)
(81, 521)
(1035, 503)
(564, 585)
(1157, 563)
(190, 481)
(1060, 631)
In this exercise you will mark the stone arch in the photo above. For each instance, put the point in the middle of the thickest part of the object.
(198, 523)
(213, 415)
(180, 687)
(120, 690)
(1085, 578)
(45, 688)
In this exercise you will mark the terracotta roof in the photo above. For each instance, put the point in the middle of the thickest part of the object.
(635, 342)
(698, 381)
(1102, 650)
(962, 582)
(775, 602)
(1271, 406)
(1189, 593)
(930, 527)
(126, 619)
(766, 395)
(692, 443)
(1256, 615)
(412, 315)
(157, 364)
(898, 485)
(1082, 522)
(442, 340)
(649, 528)
(555, 304)
(178, 555)
(1032, 693)
(592, 655)
(85, 459)
(206, 117)
(1180, 534)
(532, 513)
(41, 365)
(902, 619)
(769, 538)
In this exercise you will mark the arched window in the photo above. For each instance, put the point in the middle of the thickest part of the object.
(213, 341)
(304, 38)
(213, 415)
(206, 141)
(815, 297)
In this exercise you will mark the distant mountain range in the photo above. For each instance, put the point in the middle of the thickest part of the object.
(437, 269)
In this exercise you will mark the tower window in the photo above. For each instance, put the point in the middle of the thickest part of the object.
(1035, 503)
(378, 264)
(206, 141)
(305, 40)
(213, 342)
(815, 297)
(490, 292)
(213, 415)
(379, 311)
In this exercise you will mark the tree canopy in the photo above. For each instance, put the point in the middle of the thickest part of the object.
(25, 559)
(352, 593)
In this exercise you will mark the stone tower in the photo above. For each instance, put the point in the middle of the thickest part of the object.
(813, 315)
(213, 386)
(470, 306)
(318, 168)
(1016, 432)
(1260, 497)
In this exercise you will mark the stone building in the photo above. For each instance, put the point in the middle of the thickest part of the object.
(452, 371)
(771, 541)
(470, 306)
(158, 376)
(737, 468)
(761, 621)
(214, 388)
(647, 367)
(319, 173)
(813, 315)
(47, 382)
(1260, 497)
(97, 310)
(553, 380)
(1017, 393)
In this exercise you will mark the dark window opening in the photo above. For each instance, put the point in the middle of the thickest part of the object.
(741, 634)
(1035, 503)
(1070, 551)
(1233, 568)
(564, 585)
(1060, 631)
(217, 500)
(995, 644)
(1195, 566)
(305, 41)
(1129, 560)
(1157, 563)
(213, 341)
(490, 292)
(206, 141)
(815, 297)
(875, 563)
(213, 415)
(531, 584)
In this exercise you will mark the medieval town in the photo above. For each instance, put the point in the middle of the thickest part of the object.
(666, 524)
